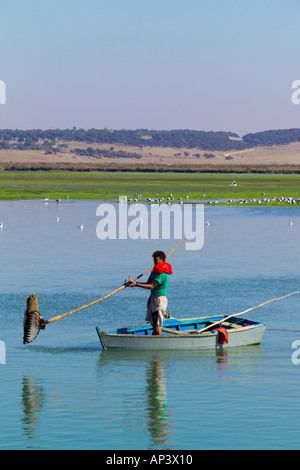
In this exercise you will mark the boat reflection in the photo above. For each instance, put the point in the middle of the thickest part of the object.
(157, 365)
(222, 359)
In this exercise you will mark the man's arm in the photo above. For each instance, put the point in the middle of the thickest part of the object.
(144, 285)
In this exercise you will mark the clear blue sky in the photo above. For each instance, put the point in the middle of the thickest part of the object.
(156, 64)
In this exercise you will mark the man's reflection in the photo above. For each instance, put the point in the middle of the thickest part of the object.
(157, 404)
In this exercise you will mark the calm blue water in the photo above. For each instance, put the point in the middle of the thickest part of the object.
(84, 398)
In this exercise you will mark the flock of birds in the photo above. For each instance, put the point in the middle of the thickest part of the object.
(169, 200)
(278, 200)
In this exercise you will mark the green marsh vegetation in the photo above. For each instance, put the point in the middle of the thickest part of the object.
(110, 185)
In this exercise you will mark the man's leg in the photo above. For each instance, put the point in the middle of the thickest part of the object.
(156, 327)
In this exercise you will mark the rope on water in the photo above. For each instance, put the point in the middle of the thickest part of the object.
(74, 344)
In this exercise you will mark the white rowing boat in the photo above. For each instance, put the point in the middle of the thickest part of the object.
(183, 334)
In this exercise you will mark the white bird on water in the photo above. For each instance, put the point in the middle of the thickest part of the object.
(80, 226)
(292, 222)
(1, 225)
(57, 219)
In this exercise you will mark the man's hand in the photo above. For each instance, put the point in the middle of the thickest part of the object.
(132, 282)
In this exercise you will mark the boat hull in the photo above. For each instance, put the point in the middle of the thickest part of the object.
(239, 336)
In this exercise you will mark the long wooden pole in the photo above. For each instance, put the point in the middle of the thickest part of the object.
(245, 311)
(58, 317)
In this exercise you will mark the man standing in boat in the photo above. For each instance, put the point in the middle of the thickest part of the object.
(158, 283)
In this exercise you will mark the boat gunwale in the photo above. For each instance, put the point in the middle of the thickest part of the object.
(195, 334)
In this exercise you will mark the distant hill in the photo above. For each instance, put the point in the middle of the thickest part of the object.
(275, 137)
(209, 141)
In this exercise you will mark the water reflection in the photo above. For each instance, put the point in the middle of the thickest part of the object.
(33, 399)
(222, 359)
(154, 395)
(157, 404)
